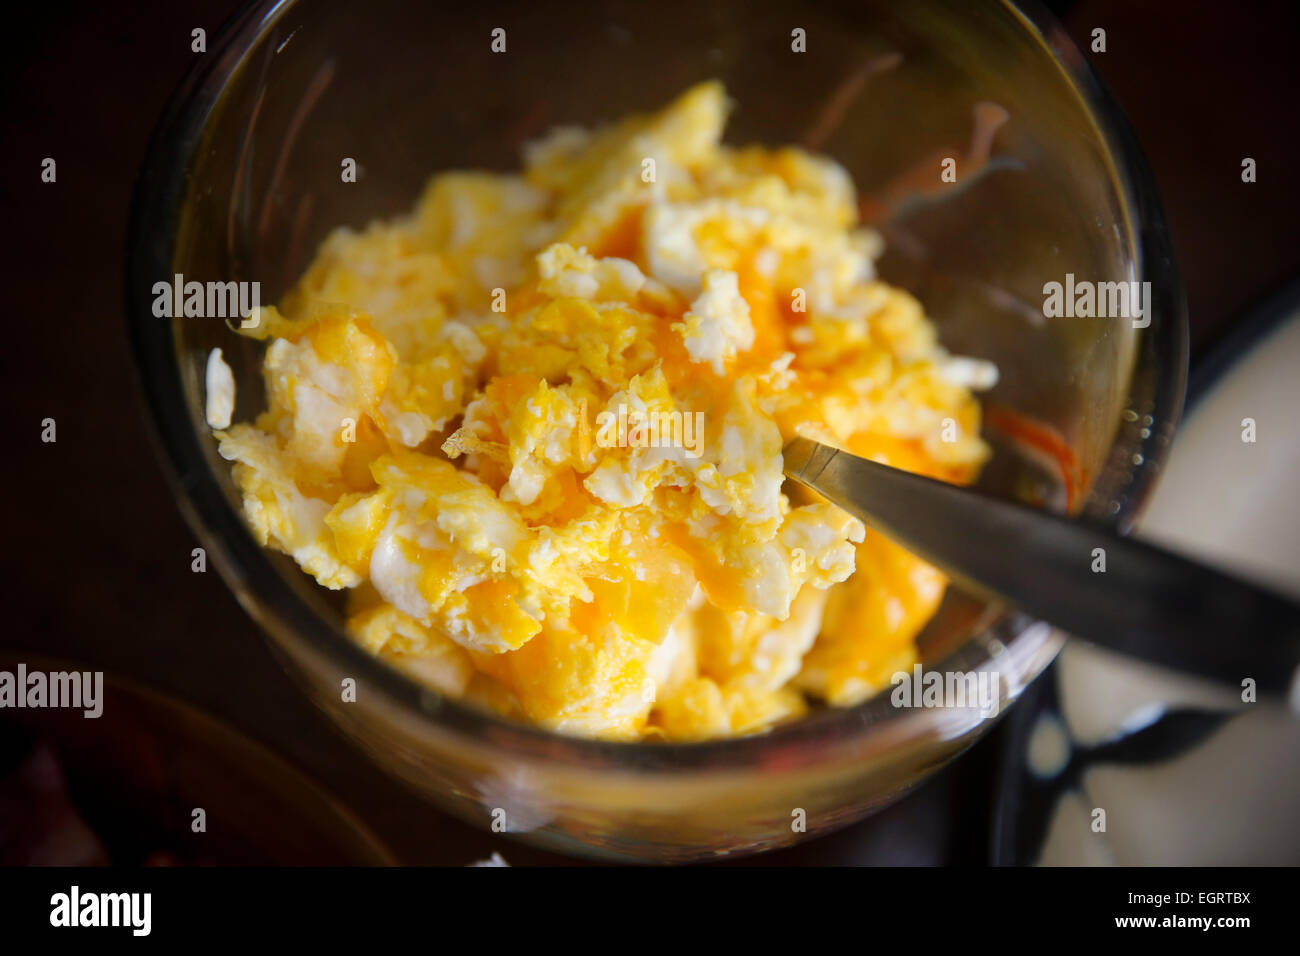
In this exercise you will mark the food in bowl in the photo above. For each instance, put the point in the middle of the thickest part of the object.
(535, 427)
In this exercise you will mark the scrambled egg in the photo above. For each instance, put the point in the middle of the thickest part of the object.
(455, 432)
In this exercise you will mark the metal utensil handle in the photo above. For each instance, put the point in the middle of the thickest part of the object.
(1146, 602)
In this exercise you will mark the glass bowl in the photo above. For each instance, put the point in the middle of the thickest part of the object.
(242, 181)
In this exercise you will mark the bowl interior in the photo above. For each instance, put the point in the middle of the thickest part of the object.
(889, 90)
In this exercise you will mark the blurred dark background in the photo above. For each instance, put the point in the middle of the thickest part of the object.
(97, 562)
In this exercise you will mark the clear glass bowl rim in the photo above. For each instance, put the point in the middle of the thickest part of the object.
(155, 214)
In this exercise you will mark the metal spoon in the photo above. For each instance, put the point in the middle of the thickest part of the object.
(1148, 602)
